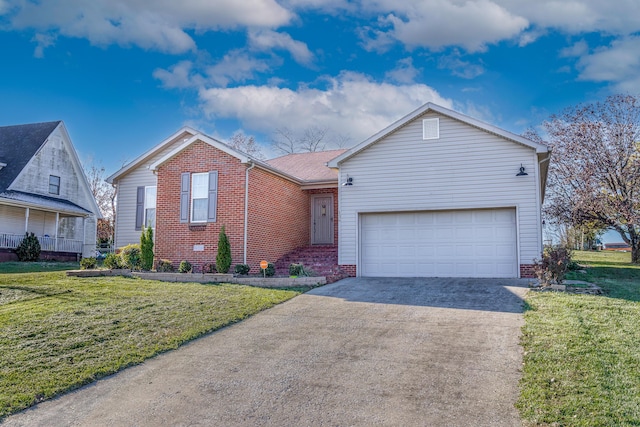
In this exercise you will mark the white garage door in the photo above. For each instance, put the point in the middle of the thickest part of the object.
(469, 243)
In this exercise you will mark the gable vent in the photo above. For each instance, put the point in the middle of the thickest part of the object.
(431, 128)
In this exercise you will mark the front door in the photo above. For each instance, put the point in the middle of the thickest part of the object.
(322, 219)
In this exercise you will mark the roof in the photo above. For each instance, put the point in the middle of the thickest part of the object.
(539, 148)
(61, 205)
(307, 166)
(18, 144)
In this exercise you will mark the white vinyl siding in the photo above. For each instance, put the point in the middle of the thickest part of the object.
(127, 186)
(466, 168)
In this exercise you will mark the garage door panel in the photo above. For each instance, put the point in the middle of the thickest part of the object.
(479, 243)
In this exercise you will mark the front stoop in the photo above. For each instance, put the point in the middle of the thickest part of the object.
(321, 260)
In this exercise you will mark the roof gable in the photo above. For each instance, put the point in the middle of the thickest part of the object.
(307, 166)
(18, 144)
(430, 107)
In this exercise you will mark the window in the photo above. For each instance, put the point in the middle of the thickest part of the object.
(150, 207)
(431, 128)
(199, 197)
(54, 184)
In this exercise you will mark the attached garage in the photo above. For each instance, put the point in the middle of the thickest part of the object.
(456, 243)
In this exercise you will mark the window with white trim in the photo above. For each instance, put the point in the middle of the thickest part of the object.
(54, 184)
(199, 197)
(150, 207)
(431, 128)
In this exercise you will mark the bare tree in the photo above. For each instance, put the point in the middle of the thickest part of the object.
(246, 144)
(313, 138)
(105, 196)
(594, 176)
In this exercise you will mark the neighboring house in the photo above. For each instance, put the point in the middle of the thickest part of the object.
(620, 247)
(435, 194)
(43, 190)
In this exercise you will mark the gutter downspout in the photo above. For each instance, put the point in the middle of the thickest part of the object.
(246, 209)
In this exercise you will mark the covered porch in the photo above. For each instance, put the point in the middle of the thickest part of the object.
(59, 227)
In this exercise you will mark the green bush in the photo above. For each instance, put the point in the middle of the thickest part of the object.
(209, 267)
(29, 248)
(223, 260)
(146, 249)
(130, 256)
(88, 263)
(299, 270)
(165, 266)
(242, 269)
(270, 271)
(112, 261)
(185, 267)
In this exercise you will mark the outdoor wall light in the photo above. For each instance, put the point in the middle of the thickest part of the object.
(522, 172)
(349, 181)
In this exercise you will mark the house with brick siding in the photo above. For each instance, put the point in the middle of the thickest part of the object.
(435, 194)
(190, 185)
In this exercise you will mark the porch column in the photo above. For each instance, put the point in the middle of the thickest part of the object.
(55, 245)
(84, 234)
(26, 220)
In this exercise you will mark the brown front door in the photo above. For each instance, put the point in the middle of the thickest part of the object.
(322, 220)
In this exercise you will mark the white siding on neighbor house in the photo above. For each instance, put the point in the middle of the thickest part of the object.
(127, 187)
(56, 157)
(11, 220)
(465, 168)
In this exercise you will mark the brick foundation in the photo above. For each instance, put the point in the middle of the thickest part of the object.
(526, 271)
(350, 269)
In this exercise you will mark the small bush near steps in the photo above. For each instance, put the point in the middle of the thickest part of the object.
(113, 261)
(165, 266)
(209, 267)
(299, 270)
(242, 269)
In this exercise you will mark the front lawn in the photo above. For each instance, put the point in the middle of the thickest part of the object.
(58, 333)
(582, 352)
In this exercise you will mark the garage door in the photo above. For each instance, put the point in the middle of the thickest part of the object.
(469, 243)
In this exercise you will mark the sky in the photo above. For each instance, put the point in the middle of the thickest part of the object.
(126, 74)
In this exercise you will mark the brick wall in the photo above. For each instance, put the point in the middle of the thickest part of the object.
(279, 214)
(278, 211)
(333, 191)
(526, 271)
(350, 269)
(175, 240)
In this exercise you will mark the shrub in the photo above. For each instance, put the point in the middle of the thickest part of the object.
(112, 261)
(146, 249)
(165, 266)
(298, 270)
(242, 269)
(223, 260)
(270, 271)
(88, 263)
(29, 248)
(209, 267)
(185, 267)
(130, 256)
(553, 266)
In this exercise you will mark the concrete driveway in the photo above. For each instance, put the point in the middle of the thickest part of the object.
(359, 352)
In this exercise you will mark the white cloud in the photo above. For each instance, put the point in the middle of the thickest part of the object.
(159, 25)
(179, 76)
(617, 63)
(352, 104)
(267, 40)
(43, 41)
(577, 49)
(435, 24)
(404, 72)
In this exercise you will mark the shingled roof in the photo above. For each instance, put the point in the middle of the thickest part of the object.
(307, 166)
(18, 144)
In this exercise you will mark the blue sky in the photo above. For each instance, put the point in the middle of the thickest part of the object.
(125, 74)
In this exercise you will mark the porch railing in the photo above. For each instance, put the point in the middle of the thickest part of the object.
(11, 241)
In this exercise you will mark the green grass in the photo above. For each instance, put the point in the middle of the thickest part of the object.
(34, 267)
(58, 333)
(582, 353)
